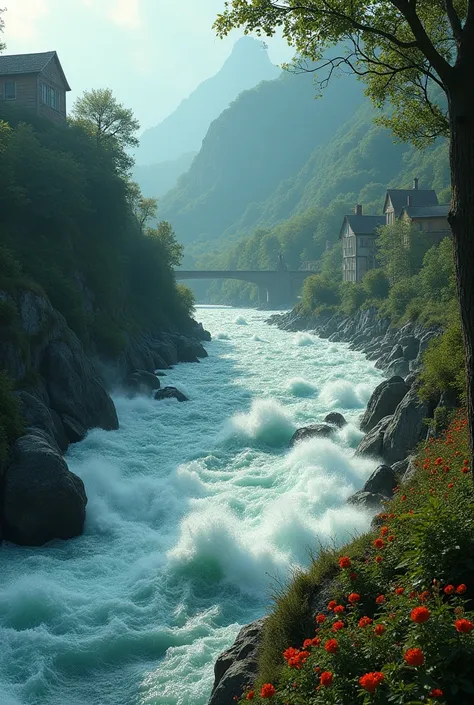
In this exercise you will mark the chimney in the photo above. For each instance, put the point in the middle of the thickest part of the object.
(408, 200)
(358, 209)
(415, 184)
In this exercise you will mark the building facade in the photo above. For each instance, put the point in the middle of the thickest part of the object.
(36, 82)
(358, 235)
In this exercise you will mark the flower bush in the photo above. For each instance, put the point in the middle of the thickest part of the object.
(398, 628)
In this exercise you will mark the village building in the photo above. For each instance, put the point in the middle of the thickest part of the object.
(359, 232)
(36, 82)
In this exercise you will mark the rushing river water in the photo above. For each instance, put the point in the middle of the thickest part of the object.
(194, 511)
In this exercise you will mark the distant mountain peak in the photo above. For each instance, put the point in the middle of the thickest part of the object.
(183, 131)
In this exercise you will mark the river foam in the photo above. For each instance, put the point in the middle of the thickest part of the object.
(194, 511)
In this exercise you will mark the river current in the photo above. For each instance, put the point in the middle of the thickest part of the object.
(195, 511)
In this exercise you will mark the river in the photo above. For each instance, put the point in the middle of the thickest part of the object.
(195, 510)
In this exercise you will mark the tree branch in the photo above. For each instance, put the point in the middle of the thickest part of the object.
(454, 20)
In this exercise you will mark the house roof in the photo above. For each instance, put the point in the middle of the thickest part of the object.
(363, 224)
(418, 197)
(440, 211)
(12, 64)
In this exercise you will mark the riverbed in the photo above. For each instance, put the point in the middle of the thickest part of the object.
(196, 510)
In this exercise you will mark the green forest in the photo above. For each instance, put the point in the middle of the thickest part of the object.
(70, 228)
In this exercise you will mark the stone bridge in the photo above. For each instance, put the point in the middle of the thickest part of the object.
(276, 288)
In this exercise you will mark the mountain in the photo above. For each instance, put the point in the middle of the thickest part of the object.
(157, 179)
(183, 131)
(264, 138)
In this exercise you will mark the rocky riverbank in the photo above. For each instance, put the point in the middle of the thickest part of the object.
(63, 392)
(395, 421)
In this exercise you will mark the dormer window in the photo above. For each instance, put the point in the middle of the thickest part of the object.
(9, 90)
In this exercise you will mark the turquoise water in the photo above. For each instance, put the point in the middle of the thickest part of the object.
(195, 510)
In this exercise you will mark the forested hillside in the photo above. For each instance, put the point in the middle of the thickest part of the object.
(68, 229)
(157, 179)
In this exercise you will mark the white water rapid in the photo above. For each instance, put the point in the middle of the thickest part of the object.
(194, 510)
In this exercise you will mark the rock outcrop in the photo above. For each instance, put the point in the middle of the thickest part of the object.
(170, 393)
(406, 428)
(315, 430)
(42, 500)
(236, 668)
(383, 402)
(372, 444)
(334, 418)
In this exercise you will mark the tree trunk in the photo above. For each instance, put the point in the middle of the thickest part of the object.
(461, 218)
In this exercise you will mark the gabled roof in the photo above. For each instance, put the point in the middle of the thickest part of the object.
(29, 63)
(418, 197)
(363, 224)
(427, 211)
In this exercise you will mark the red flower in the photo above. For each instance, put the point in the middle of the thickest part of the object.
(250, 695)
(465, 469)
(332, 605)
(450, 485)
(353, 597)
(290, 653)
(464, 626)
(420, 615)
(344, 562)
(449, 589)
(439, 461)
(321, 618)
(379, 543)
(378, 559)
(379, 629)
(371, 681)
(399, 591)
(338, 609)
(424, 595)
(384, 530)
(391, 538)
(326, 678)
(461, 589)
(331, 646)
(337, 625)
(414, 657)
(365, 621)
(267, 690)
(380, 599)
(436, 693)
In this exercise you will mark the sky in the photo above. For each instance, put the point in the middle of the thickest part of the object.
(151, 53)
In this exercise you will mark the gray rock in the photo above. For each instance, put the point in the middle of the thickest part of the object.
(170, 393)
(74, 387)
(367, 500)
(410, 471)
(189, 350)
(37, 415)
(396, 352)
(142, 382)
(166, 348)
(315, 430)
(236, 668)
(383, 402)
(410, 346)
(335, 419)
(372, 444)
(400, 467)
(406, 428)
(42, 499)
(75, 432)
(382, 481)
(398, 368)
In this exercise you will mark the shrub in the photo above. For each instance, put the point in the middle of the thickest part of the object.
(319, 291)
(376, 284)
(352, 297)
(444, 365)
(399, 297)
(11, 422)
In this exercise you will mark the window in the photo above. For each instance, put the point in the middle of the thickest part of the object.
(9, 90)
(44, 93)
(52, 98)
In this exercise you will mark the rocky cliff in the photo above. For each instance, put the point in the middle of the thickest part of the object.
(62, 394)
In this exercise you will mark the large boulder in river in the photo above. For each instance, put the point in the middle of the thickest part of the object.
(74, 388)
(37, 415)
(142, 382)
(383, 402)
(315, 430)
(170, 393)
(42, 499)
(335, 419)
(372, 444)
(236, 669)
(399, 367)
(189, 349)
(406, 428)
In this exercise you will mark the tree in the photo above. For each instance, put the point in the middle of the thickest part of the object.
(376, 284)
(401, 248)
(419, 56)
(143, 208)
(111, 124)
(165, 236)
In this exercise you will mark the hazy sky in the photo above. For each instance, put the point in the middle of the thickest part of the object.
(151, 53)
